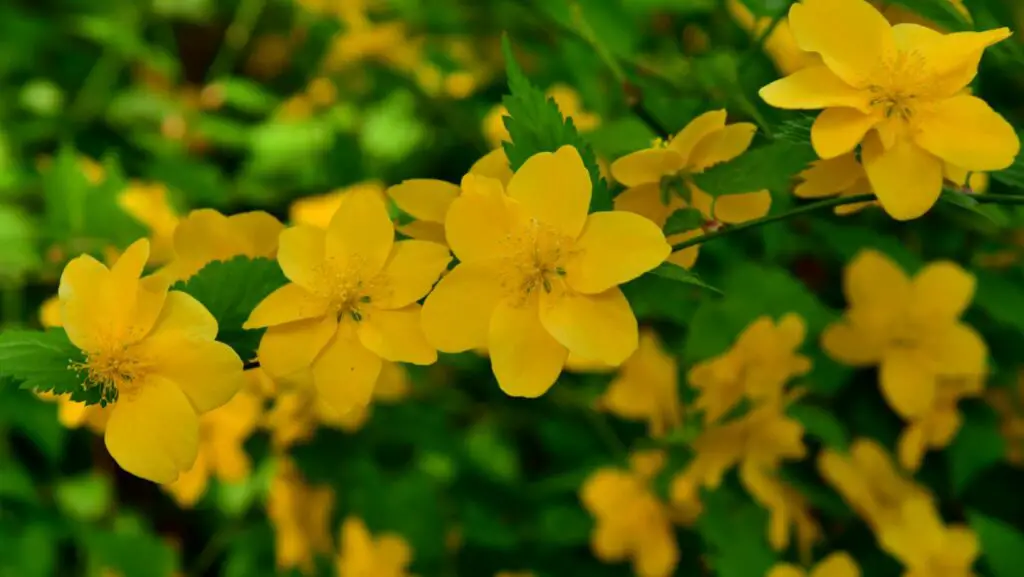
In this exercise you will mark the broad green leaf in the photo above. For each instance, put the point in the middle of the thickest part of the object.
(821, 424)
(43, 361)
(769, 167)
(680, 274)
(619, 137)
(29, 548)
(230, 290)
(977, 446)
(35, 418)
(15, 482)
(536, 125)
(132, 552)
(734, 529)
(683, 220)
(1000, 298)
(86, 497)
(18, 251)
(1002, 545)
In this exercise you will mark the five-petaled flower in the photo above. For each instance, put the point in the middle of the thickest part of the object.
(538, 277)
(361, 554)
(646, 388)
(900, 92)
(351, 302)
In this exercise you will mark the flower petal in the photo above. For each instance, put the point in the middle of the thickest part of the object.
(965, 131)
(424, 199)
(423, 230)
(954, 58)
(525, 358)
(646, 166)
(872, 279)
(287, 304)
(345, 372)
(601, 326)
(153, 432)
(694, 132)
(301, 255)
(722, 145)
(555, 188)
(686, 257)
(906, 178)
(907, 383)
(260, 232)
(208, 372)
(479, 221)
(360, 235)
(838, 564)
(494, 165)
(614, 248)
(813, 88)
(851, 36)
(911, 446)
(850, 346)
(396, 335)
(645, 200)
(942, 290)
(182, 314)
(287, 351)
(958, 351)
(829, 177)
(457, 314)
(411, 271)
(736, 208)
(837, 131)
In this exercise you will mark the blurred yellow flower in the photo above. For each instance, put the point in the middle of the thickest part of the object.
(301, 516)
(1009, 404)
(351, 302)
(937, 426)
(909, 328)
(899, 91)
(631, 523)
(569, 104)
(148, 203)
(362, 555)
(658, 182)
(538, 277)
(152, 349)
(206, 235)
(788, 510)
(869, 482)
(838, 564)
(646, 388)
(779, 45)
(926, 546)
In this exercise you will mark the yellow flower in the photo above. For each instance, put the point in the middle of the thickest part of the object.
(838, 564)
(148, 203)
(569, 104)
(630, 522)
(206, 235)
(787, 508)
(900, 90)
(868, 481)
(909, 328)
(351, 302)
(647, 388)
(362, 555)
(779, 45)
(538, 277)
(152, 349)
(703, 143)
(757, 367)
(301, 516)
(926, 546)
(1009, 404)
(222, 432)
(936, 428)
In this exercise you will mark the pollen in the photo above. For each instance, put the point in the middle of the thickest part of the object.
(116, 372)
(535, 260)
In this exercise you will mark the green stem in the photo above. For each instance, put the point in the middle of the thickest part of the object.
(1009, 199)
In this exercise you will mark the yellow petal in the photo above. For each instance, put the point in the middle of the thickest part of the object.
(961, 546)
(494, 165)
(601, 326)
(554, 188)
(736, 208)
(191, 484)
(360, 235)
(645, 200)
(658, 552)
(786, 570)
(287, 351)
(829, 177)
(614, 248)
(722, 145)
(301, 255)
(850, 346)
(259, 230)
(686, 257)
(208, 372)
(965, 131)
(942, 290)
(316, 210)
(423, 230)
(345, 371)
(646, 166)
(700, 127)
(424, 199)
(872, 279)
(393, 551)
(610, 541)
(813, 88)
(837, 131)
(906, 178)
(153, 432)
(907, 383)
(959, 350)
(851, 36)
(479, 221)
(456, 316)
(525, 358)
(287, 304)
(954, 58)
(911, 446)
(838, 564)
(411, 271)
(396, 335)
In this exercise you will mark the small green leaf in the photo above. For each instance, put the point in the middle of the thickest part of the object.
(493, 454)
(684, 220)
(768, 167)
(230, 290)
(1002, 544)
(86, 497)
(821, 424)
(563, 524)
(132, 553)
(680, 274)
(42, 360)
(246, 95)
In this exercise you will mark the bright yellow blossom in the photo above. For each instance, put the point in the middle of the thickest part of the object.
(788, 509)
(703, 143)
(155, 350)
(569, 104)
(936, 427)
(869, 482)
(148, 203)
(926, 546)
(362, 555)
(301, 516)
(538, 277)
(351, 302)
(630, 521)
(756, 368)
(1009, 404)
(899, 91)
(206, 235)
(838, 564)
(647, 388)
(909, 328)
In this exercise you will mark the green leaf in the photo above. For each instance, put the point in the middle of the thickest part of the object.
(683, 220)
(821, 424)
(492, 453)
(977, 446)
(287, 147)
(536, 125)
(246, 95)
(30, 549)
(86, 497)
(680, 274)
(1000, 298)
(1012, 176)
(619, 137)
(42, 360)
(230, 290)
(733, 527)
(990, 214)
(16, 483)
(18, 253)
(768, 167)
(1002, 545)
(132, 553)
(562, 525)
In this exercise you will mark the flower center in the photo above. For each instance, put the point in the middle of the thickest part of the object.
(343, 286)
(117, 372)
(900, 85)
(535, 259)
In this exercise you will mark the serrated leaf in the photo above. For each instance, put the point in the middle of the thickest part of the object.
(1002, 544)
(42, 360)
(769, 167)
(683, 220)
(535, 124)
(821, 424)
(230, 290)
(680, 274)
(977, 446)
